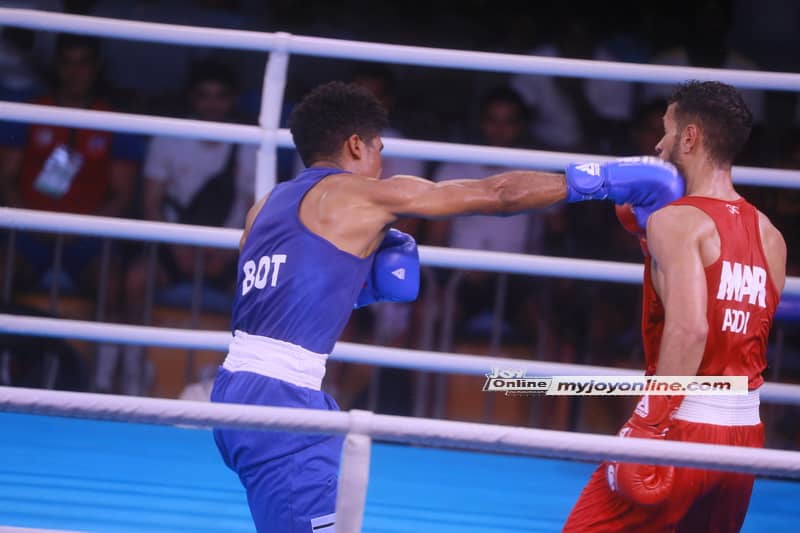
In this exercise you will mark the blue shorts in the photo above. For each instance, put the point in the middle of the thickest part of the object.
(290, 478)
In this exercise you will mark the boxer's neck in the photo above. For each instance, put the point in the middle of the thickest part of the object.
(710, 180)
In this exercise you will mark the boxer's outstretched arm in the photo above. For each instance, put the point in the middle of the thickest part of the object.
(679, 277)
(502, 194)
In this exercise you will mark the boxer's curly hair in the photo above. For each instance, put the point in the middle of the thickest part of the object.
(329, 115)
(720, 112)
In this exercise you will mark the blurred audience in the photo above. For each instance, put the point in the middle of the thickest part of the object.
(786, 209)
(73, 170)
(706, 37)
(576, 114)
(19, 80)
(149, 77)
(646, 128)
(503, 123)
(381, 81)
(191, 181)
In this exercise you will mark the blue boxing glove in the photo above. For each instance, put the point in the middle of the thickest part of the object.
(395, 271)
(647, 183)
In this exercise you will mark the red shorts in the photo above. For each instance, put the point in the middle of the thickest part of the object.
(701, 500)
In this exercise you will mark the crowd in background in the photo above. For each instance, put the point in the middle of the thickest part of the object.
(212, 183)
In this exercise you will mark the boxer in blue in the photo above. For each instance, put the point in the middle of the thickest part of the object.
(319, 245)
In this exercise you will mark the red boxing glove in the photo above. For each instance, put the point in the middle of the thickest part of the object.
(627, 217)
(638, 483)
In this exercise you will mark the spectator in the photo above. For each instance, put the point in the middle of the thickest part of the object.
(705, 46)
(381, 82)
(504, 122)
(71, 170)
(573, 113)
(647, 128)
(19, 80)
(165, 67)
(194, 182)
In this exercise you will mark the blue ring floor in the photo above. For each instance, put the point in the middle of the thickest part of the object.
(62, 473)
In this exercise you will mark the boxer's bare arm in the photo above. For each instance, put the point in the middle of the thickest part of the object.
(354, 212)
(674, 237)
(505, 193)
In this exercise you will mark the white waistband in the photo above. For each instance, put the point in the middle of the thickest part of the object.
(734, 410)
(275, 359)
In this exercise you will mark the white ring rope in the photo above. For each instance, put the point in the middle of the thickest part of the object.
(426, 361)
(389, 53)
(423, 431)
(119, 228)
(131, 123)
(427, 150)
(586, 269)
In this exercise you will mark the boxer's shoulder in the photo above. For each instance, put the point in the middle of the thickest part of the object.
(771, 237)
(680, 221)
(677, 232)
(774, 246)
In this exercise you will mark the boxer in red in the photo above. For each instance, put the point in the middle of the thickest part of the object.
(714, 270)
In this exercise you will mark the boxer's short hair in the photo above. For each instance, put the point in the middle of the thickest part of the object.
(329, 115)
(720, 112)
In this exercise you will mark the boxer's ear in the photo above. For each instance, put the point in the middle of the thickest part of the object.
(689, 138)
(354, 147)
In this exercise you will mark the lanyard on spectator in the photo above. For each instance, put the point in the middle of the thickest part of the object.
(60, 169)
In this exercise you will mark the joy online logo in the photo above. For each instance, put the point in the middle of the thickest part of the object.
(515, 381)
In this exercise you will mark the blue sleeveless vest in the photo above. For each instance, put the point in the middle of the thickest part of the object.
(292, 284)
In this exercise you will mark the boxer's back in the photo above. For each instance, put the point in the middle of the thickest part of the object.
(293, 285)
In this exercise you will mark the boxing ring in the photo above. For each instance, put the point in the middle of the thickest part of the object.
(159, 471)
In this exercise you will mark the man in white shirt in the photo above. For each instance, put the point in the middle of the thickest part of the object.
(504, 120)
(573, 114)
(503, 123)
(195, 182)
(177, 170)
